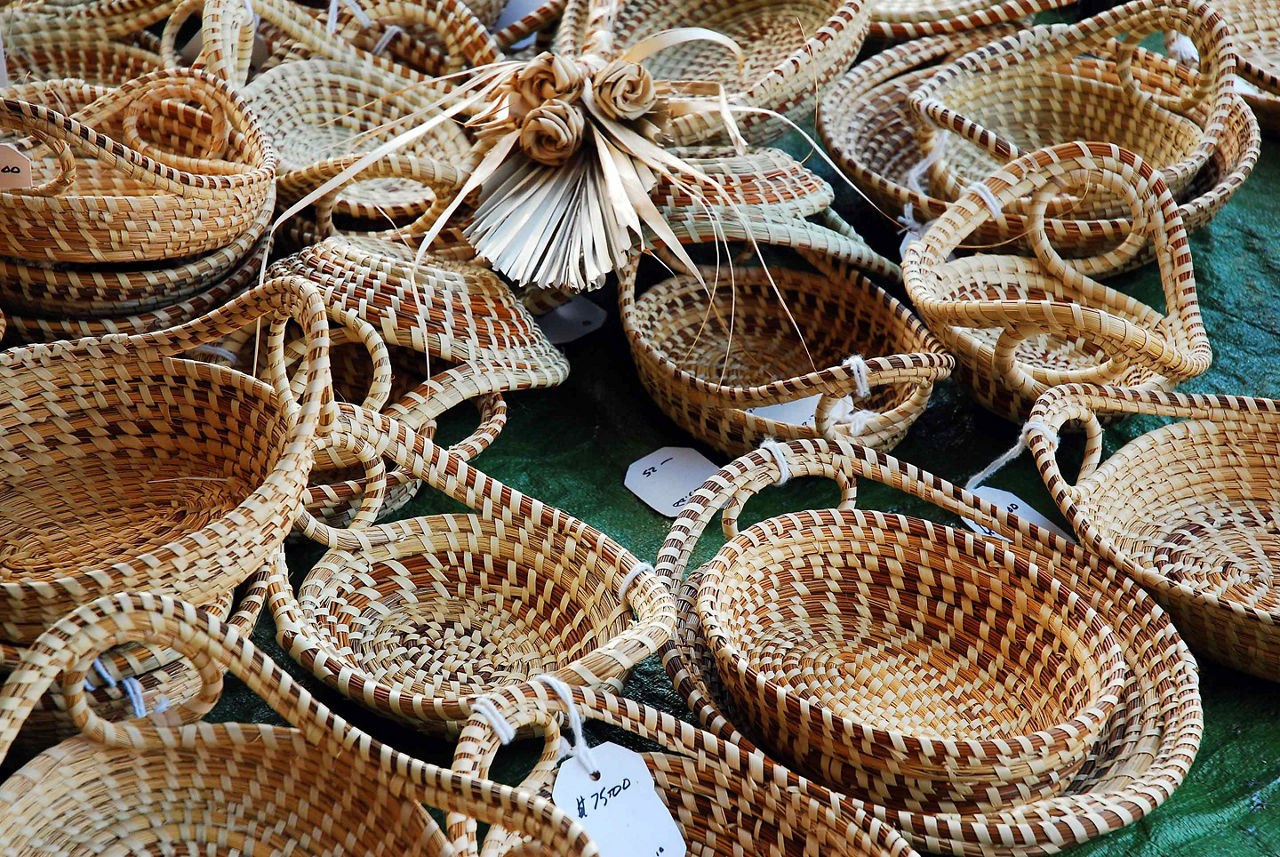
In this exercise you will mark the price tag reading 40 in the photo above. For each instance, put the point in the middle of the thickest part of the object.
(621, 810)
(666, 479)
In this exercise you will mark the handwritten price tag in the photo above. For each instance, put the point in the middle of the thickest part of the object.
(1013, 503)
(667, 478)
(621, 809)
(801, 412)
(15, 169)
(571, 320)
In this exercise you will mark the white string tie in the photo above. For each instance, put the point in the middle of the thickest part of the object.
(858, 369)
(485, 707)
(332, 27)
(991, 469)
(385, 42)
(779, 453)
(101, 670)
(162, 704)
(1183, 50)
(988, 196)
(636, 570)
(915, 175)
(914, 229)
(133, 690)
(846, 413)
(581, 751)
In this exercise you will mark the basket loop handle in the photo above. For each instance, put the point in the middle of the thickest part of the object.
(71, 645)
(467, 42)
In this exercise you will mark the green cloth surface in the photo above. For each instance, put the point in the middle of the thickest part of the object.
(571, 446)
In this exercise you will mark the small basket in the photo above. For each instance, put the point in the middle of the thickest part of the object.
(167, 197)
(1147, 745)
(724, 801)
(1189, 509)
(1010, 97)
(421, 617)
(733, 370)
(1019, 325)
(127, 468)
(153, 786)
(38, 49)
(791, 51)
(869, 128)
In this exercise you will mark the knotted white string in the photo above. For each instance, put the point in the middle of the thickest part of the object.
(991, 469)
(581, 751)
(332, 26)
(779, 453)
(133, 690)
(858, 369)
(987, 196)
(915, 175)
(914, 229)
(485, 707)
(101, 670)
(1183, 50)
(384, 42)
(636, 570)
(854, 418)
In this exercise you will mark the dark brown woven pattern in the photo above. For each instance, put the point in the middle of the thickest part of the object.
(913, 19)
(1146, 747)
(1191, 509)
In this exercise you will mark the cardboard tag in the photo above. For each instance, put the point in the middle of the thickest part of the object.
(15, 168)
(514, 11)
(620, 810)
(571, 321)
(801, 412)
(1013, 503)
(666, 478)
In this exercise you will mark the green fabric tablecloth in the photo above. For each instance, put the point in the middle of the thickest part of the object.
(570, 447)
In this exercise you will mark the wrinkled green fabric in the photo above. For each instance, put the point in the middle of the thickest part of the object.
(570, 447)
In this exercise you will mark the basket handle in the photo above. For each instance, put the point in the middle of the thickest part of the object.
(531, 24)
(69, 647)
(467, 42)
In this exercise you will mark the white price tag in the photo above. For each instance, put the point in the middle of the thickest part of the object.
(667, 478)
(571, 320)
(1013, 503)
(621, 810)
(801, 412)
(15, 168)
(514, 11)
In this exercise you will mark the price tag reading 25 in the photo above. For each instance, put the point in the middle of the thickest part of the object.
(620, 810)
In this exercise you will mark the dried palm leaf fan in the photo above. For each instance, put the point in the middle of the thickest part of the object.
(913, 19)
(128, 468)
(419, 618)
(997, 102)
(151, 786)
(870, 130)
(1144, 750)
(792, 50)
(782, 351)
(912, 671)
(1018, 325)
(163, 204)
(132, 680)
(725, 802)
(1191, 510)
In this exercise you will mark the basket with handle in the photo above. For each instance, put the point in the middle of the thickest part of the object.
(780, 350)
(167, 195)
(1188, 509)
(1019, 325)
(152, 786)
(867, 125)
(724, 801)
(128, 467)
(421, 617)
(997, 102)
(1143, 752)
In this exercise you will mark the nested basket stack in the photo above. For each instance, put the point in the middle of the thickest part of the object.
(420, 618)
(856, 667)
(1191, 509)
(148, 206)
(152, 786)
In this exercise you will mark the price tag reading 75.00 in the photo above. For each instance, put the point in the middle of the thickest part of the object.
(620, 809)
(666, 479)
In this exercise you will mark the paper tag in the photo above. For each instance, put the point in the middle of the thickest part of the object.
(666, 479)
(571, 320)
(801, 412)
(1013, 503)
(514, 11)
(621, 810)
(15, 168)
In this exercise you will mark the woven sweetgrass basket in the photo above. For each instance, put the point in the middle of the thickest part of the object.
(1007, 98)
(724, 801)
(420, 617)
(835, 351)
(1188, 509)
(38, 49)
(885, 659)
(869, 128)
(128, 468)
(153, 787)
(120, 181)
(1019, 325)
(1143, 753)
(912, 19)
